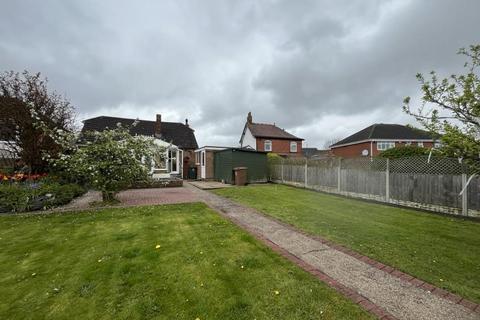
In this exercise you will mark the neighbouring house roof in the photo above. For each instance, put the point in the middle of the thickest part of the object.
(177, 133)
(264, 130)
(382, 131)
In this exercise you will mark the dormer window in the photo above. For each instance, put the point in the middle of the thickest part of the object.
(267, 145)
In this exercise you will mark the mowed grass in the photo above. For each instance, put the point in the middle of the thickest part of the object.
(106, 265)
(441, 250)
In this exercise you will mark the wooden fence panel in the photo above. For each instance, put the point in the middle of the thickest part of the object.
(442, 190)
(322, 176)
(363, 181)
(474, 194)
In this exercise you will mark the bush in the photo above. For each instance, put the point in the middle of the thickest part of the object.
(406, 151)
(19, 197)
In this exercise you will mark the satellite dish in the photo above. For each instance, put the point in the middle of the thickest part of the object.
(364, 152)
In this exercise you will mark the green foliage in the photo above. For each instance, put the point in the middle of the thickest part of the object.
(405, 151)
(110, 161)
(19, 197)
(451, 109)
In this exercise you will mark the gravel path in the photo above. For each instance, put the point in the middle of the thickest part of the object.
(399, 298)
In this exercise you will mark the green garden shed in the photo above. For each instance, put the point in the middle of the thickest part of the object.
(228, 159)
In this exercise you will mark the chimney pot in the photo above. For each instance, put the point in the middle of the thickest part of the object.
(186, 122)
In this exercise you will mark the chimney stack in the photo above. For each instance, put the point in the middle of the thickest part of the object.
(249, 118)
(186, 122)
(158, 126)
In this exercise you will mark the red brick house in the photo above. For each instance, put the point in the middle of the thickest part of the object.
(270, 138)
(378, 137)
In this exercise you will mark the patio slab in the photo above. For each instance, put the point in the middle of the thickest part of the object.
(210, 185)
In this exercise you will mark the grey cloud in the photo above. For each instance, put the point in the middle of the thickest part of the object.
(300, 64)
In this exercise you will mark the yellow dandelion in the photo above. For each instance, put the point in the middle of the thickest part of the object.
(157, 246)
(241, 267)
(99, 260)
(276, 292)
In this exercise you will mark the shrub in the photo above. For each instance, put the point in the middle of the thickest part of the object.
(18, 197)
(405, 151)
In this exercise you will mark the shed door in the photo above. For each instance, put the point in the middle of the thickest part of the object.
(203, 170)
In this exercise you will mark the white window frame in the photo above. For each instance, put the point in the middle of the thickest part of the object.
(267, 143)
(385, 145)
(293, 146)
(437, 145)
(408, 143)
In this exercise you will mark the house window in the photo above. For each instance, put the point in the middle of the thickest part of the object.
(437, 145)
(268, 145)
(408, 143)
(293, 146)
(385, 145)
(420, 144)
(203, 158)
(172, 160)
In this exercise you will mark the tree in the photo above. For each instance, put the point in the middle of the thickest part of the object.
(450, 109)
(24, 103)
(109, 161)
(329, 142)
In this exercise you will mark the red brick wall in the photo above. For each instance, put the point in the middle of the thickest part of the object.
(355, 150)
(351, 151)
(281, 147)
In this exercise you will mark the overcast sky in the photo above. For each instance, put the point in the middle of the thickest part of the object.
(320, 69)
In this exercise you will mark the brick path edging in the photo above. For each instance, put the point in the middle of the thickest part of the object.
(475, 307)
(350, 294)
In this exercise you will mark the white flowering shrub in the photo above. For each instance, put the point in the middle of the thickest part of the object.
(109, 161)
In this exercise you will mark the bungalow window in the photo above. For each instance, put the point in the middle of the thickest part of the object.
(385, 145)
(408, 143)
(268, 145)
(293, 146)
(420, 144)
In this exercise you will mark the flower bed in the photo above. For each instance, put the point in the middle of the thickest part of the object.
(19, 193)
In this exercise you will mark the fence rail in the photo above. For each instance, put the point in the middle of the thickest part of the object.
(434, 184)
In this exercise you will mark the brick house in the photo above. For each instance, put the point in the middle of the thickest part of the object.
(379, 137)
(178, 139)
(270, 138)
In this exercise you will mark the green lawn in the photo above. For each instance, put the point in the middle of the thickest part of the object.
(438, 249)
(106, 265)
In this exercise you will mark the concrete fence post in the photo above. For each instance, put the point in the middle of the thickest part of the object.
(282, 170)
(387, 181)
(339, 175)
(464, 195)
(306, 173)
